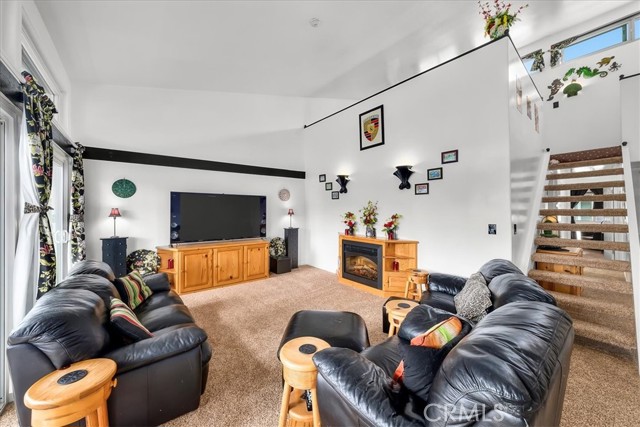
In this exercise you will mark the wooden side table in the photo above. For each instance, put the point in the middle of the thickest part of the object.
(413, 288)
(397, 310)
(68, 395)
(300, 375)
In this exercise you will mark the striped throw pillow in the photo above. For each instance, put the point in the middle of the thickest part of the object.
(125, 322)
(132, 289)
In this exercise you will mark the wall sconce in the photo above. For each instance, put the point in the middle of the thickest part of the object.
(343, 180)
(115, 213)
(404, 172)
(290, 213)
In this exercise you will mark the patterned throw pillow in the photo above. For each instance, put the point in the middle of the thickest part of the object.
(132, 289)
(126, 323)
(474, 299)
(143, 261)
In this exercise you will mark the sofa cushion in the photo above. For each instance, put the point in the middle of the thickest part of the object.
(132, 289)
(514, 287)
(158, 282)
(509, 359)
(473, 301)
(497, 267)
(163, 317)
(446, 283)
(125, 322)
(93, 267)
(91, 282)
(439, 300)
(386, 354)
(155, 301)
(67, 325)
(421, 319)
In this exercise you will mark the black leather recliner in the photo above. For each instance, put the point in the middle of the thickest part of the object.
(511, 370)
(159, 378)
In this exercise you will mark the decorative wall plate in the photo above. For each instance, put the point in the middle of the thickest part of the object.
(284, 194)
(123, 188)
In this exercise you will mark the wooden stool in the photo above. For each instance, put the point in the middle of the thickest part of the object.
(413, 288)
(300, 374)
(68, 395)
(397, 310)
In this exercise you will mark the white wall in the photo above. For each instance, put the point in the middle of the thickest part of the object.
(238, 128)
(525, 149)
(462, 105)
(630, 115)
(591, 119)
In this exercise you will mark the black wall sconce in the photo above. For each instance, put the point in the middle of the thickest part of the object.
(404, 172)
(343, 180)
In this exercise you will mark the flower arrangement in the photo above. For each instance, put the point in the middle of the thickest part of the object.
(349, 219)
(277, 248)
(369, 214)
(499, 20)
(392, 223)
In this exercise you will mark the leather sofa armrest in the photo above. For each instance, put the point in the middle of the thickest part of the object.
(159, 347)
(352, 388)
(158, 282)
(447, 283)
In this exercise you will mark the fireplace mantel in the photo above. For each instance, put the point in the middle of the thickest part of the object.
(404, 252)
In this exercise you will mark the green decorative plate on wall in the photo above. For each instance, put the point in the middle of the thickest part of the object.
(123, 188)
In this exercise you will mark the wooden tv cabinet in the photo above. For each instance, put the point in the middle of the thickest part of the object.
(204, 266)
(404, 252)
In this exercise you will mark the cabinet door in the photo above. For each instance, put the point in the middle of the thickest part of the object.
(256, 262)
(228, 265)
(196, 270)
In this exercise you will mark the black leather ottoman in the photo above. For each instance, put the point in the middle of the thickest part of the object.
(338, 328)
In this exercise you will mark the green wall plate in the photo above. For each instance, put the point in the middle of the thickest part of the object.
(123, 188)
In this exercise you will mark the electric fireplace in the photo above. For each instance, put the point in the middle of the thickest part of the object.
(362, 263)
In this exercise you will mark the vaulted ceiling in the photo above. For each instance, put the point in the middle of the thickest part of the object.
(269, 47)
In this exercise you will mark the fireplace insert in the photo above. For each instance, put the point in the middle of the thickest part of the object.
(362, 263)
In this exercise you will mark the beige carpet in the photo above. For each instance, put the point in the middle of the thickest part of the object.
(245, 323)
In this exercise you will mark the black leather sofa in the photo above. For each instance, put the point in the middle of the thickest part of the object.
(158, 379)
(506, 282)
(510, 370)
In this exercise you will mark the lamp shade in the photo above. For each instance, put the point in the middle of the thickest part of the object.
(115, 213)
(290, 212)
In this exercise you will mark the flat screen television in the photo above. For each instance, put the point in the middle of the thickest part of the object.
(202, 217)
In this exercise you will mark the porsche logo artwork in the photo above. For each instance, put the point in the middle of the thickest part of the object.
(371, 126)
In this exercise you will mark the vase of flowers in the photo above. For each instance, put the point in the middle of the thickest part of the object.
(277, 249)
(391, 226)
(369, 217)
(500, 19)
(349, 220)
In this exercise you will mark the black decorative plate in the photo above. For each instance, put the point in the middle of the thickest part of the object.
(123, 188)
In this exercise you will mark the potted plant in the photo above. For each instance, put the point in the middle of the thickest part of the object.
(349, 220)
(391, 225)
(369, 217)
(279, 262)
(498, 21)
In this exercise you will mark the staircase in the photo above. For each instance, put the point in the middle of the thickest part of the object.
(582, 254)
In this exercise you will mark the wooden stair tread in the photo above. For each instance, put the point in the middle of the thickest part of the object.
(595, 162)
(621, 197)
(585, 244)
(584, 212)
(597, 283)
(605, 264)
(597, 307)
(590, 228)
(572, 175)
(584, 185)
(605, 337)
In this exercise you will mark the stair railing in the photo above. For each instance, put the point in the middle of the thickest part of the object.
(526, 262)
(634, 240)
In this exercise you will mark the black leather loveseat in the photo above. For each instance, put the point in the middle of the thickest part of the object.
(158, 378)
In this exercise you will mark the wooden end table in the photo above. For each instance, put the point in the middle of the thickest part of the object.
(397, 310)
(68, 395)
(300, 375)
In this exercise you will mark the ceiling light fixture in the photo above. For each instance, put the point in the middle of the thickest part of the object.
(314, 22)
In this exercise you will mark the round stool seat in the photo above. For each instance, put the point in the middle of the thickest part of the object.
(68, 395)
(397, 311)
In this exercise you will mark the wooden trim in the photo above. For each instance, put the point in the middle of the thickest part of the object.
(94, 153)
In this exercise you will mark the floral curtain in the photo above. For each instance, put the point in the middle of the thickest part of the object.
(39, 111)
(76, 221)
